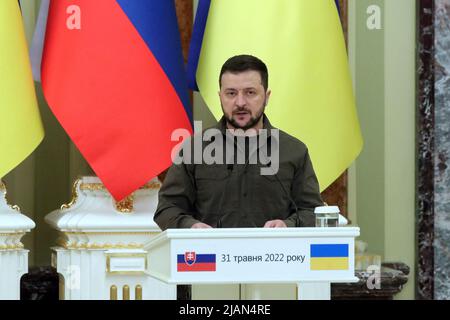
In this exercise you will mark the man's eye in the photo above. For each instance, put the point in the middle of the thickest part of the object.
(231, 94)
(251, 93)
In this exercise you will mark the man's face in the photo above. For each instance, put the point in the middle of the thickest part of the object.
(243, 99)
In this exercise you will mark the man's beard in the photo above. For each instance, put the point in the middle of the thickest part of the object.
(252, 122)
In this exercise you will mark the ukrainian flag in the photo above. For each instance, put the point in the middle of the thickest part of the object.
(329, 256)
(302, 43)
(20, 124)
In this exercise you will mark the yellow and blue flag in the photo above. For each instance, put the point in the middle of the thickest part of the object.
(329, 257)
(303, 45)
(21, 129)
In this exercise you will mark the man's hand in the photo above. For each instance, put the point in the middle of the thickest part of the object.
(275, 224)
(200, 225)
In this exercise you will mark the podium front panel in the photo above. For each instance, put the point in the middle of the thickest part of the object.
(254, 255)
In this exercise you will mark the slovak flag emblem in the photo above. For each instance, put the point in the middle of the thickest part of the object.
(192, 262)
(190, 257)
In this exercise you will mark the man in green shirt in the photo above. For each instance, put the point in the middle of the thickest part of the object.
(275, 184)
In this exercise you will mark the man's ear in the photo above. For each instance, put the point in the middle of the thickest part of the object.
(267, 97)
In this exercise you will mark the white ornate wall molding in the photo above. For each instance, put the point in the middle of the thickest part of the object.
(13, 256)
(99, 253)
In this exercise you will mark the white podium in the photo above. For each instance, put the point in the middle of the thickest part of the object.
(312, 258)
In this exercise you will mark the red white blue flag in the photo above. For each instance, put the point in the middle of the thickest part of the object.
(113, 75)
(191, 262)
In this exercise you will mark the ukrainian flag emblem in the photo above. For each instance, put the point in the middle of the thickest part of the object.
(329, 256)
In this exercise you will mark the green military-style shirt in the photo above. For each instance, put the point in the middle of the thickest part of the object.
(238, 195)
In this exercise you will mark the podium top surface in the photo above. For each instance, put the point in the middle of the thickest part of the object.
(226, 233)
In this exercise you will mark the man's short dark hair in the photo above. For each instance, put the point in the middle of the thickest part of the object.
(245, 62)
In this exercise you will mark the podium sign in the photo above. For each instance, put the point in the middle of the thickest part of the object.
(253, 255)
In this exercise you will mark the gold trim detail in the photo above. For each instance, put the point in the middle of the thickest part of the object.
(17, 234)
(92, 187)
(5, 191)
(14, 207)
(113, 292)
(138, 292)
(151, 185)
(74, 196)
(66, 242)
(125, 205)
(18, 246)
(126, 292)
(100, 187)
(77, 246)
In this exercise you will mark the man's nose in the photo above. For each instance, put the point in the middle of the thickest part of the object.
(240, 100)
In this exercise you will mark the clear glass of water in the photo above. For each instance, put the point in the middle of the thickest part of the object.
(327, 216)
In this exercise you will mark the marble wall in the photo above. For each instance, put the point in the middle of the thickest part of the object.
(425, 151)
(442, 149)
(433, 142)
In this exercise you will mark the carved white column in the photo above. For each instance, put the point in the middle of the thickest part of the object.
(99, 254)
(13, 256)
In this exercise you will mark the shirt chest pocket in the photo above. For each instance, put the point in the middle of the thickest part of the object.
(285, 174)
(275, 189)
(210, 181)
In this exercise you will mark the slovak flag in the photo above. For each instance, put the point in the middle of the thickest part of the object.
(192, 262)
(112, 73)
